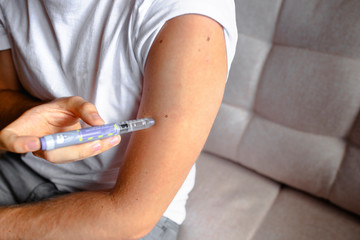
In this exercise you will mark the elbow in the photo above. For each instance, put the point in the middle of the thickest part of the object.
(139, 231)
(142, 225)
(136, 231)
(130, 223)
(128, 231)
(139, 234)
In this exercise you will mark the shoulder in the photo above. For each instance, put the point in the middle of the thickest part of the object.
(152, 15)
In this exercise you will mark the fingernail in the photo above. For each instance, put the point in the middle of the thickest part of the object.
(97, 147)
(95, 116)
(114, 141)
(33, 145)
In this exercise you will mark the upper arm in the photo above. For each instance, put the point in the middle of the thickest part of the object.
(8, 76)
(184, 81)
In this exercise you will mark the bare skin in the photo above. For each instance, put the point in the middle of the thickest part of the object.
(183, 87)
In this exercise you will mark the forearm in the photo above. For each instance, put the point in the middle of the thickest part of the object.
(14, 99)
(13, 104)
(85, 215)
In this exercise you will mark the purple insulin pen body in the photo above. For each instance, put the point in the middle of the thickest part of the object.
(84, 135)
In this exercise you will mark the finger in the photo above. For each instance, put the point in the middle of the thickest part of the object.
(79, 152)
(85, 110)
(18, 144)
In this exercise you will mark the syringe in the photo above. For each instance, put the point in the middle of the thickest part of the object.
(64, 139)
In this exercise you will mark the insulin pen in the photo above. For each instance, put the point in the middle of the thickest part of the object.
(59, 140)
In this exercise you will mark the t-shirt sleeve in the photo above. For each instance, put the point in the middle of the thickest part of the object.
(4, 40)
(150, 16)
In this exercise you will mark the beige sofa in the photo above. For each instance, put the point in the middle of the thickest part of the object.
(283, 158)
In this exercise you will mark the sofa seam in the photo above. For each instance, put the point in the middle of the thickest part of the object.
(316, 51)
(337, 173)
(348, 143)
(261, 75)
(254, 113)
(280, 44)
(253, 233)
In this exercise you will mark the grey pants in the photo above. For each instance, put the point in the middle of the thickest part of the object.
(20, 184)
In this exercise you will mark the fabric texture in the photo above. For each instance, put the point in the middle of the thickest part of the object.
(232, 202)
(96, 50)
(298, 216)
(292, 101)
(228, 201)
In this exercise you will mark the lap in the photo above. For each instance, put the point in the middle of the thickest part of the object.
(20, 184)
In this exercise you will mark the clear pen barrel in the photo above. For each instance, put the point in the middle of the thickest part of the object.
(135, 125)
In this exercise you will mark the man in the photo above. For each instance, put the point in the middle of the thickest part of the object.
(79, 60)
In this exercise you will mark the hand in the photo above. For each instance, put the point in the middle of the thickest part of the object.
(60, 115)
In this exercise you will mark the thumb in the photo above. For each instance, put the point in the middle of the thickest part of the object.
(19, 144)
(85, 110)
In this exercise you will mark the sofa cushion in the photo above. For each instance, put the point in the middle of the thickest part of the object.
(302, 160)
(346, 188)
(298, 216)
(291, 106)
(309, 91)
(231, 202)
(330, 27)
(228, 201)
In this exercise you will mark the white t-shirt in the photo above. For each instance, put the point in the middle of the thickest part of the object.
(96, 50)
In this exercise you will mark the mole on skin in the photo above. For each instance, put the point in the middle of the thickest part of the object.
(166, 116)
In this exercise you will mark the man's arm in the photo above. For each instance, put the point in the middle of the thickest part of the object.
(183, 88)
(14, 100)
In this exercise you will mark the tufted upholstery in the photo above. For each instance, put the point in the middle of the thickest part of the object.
(290, 121)
(295, 88)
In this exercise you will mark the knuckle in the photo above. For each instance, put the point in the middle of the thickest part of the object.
(14, 147)
(74, 100)
(86, 106)
(2, 142)
(82, 154)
